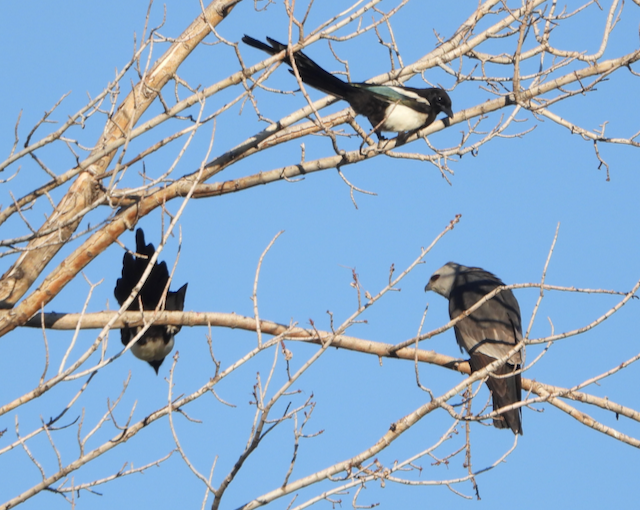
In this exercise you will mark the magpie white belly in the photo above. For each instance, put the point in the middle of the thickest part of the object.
(402, 118)
(154, 349)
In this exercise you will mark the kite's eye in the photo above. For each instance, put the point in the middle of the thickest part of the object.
(434, 278)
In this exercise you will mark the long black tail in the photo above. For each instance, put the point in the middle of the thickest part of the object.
(505, 391)
(310, 72)
(132, 269)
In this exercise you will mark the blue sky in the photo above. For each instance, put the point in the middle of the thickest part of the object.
(511, 195)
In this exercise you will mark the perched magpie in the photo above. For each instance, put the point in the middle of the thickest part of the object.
(157, 342)
(388, 108)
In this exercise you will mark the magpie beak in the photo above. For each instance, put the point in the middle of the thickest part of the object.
(157, 342)
(388, 108)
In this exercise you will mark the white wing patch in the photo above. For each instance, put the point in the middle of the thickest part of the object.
(412, 95)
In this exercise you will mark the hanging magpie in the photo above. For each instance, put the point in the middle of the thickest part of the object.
(388, 108)
(157, 342)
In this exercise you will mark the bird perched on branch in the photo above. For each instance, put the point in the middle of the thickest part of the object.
(388, 108)
(157, 342)
(488, 333)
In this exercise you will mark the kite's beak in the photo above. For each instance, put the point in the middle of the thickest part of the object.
(433, 279)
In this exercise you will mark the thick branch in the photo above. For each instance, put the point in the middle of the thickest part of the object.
(61, 321)
(15, 282)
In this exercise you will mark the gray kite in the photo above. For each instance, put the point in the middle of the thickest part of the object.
(488, 333)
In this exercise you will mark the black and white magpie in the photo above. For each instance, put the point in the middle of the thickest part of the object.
(388, 108)
(157, 342)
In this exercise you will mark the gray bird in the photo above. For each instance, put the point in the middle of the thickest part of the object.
(487, 334)
(157, 342)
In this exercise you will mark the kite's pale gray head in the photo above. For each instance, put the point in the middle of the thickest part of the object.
(443, 279)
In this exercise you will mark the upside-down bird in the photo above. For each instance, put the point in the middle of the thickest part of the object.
(488, 333)
(388, 108)
(157, 342)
